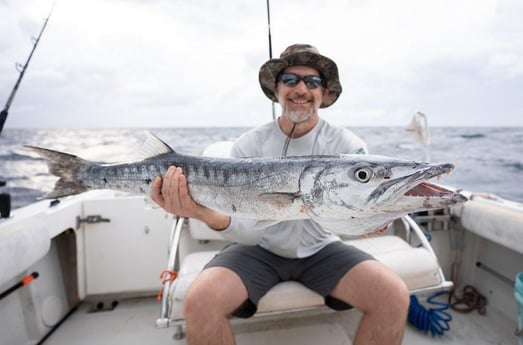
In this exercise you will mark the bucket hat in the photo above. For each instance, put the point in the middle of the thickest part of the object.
(301, 55)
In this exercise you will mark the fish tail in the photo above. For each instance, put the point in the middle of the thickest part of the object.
(65, 166)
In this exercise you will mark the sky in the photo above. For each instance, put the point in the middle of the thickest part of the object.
(173, 63)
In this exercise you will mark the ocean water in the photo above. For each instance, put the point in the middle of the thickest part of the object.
(487, 160)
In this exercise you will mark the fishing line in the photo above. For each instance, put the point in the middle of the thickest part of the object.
(287, 141)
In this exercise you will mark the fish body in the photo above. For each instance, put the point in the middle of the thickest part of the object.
(348, 194)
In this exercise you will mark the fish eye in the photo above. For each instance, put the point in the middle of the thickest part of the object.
(363, 174)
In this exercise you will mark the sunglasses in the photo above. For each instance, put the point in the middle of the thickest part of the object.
(291, 80)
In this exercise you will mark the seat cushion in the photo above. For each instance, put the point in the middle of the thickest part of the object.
(416, 266)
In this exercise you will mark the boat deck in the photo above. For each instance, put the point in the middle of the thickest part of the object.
(133, 322)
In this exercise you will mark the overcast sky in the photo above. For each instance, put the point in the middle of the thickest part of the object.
(174, 63)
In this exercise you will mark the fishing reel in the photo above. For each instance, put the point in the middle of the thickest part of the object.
(5, 203)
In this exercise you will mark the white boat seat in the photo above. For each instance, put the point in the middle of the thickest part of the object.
(416, 266)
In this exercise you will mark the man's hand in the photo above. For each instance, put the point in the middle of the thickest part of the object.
(172, 194)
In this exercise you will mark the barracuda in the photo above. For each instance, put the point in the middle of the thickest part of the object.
(348, 194)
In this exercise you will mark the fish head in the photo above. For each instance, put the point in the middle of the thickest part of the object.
(376, 184)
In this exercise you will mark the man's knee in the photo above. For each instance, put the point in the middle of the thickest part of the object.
(371, 287)
(402, 295)
(196, 301)
(395, 295)
(215, 292)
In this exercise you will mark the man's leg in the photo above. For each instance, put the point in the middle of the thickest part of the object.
(212, 297)
(382, 297)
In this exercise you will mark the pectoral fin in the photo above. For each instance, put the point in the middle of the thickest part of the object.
(278, 200)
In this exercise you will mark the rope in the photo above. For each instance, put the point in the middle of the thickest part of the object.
(471, 300)
(434, 320)
(166, 276)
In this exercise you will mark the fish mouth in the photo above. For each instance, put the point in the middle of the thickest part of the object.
(426, 196)
(426, 189)
(431, 190)
(416, 189)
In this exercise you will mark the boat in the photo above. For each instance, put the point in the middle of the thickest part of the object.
(107, 267)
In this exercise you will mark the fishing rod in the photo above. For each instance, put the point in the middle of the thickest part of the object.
(270, 49)
(269, 27)
(5, 111)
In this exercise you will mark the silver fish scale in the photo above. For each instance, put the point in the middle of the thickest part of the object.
(254, 174)
(130, 177)
(239, 186)
(262, 174)
(269, 188)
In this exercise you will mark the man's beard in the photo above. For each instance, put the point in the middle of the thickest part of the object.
(299, 115)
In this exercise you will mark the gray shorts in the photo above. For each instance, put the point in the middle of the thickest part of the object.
(260, 270)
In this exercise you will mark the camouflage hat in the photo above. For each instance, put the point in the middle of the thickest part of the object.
(301, 55)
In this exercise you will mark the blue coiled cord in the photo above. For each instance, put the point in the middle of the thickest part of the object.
(434, 320)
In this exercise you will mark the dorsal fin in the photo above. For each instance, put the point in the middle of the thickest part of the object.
(153, 146)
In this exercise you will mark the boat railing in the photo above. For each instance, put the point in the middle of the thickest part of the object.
(174, 241)
(411, 225)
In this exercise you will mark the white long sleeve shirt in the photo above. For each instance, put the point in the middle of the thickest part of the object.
(296, 238)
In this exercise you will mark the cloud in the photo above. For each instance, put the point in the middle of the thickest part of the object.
(178, 63)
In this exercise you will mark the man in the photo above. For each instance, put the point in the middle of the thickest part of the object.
(302, 81)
